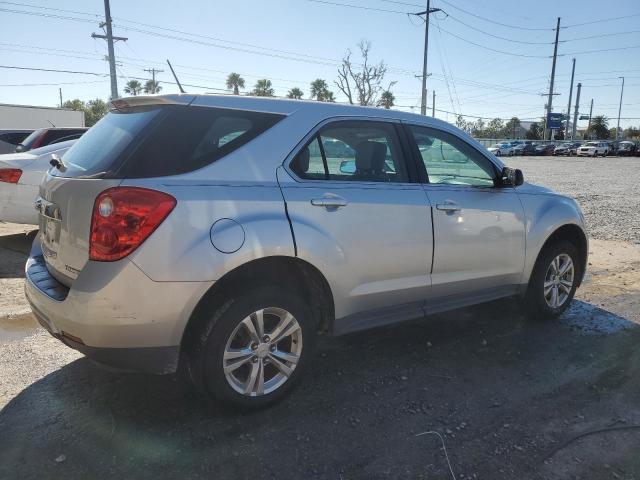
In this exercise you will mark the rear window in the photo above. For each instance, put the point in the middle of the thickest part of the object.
(161, 141)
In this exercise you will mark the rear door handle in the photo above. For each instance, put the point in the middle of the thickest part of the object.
(448, 206)
(329, 202)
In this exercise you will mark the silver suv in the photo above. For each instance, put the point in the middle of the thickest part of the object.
(218, 235)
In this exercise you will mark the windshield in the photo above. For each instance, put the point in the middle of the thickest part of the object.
(592, 144)
(96, 151)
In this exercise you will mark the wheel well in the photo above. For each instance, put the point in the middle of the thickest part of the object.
(575, 235)
(291, 273)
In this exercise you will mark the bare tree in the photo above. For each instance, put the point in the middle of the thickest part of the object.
(361, 82)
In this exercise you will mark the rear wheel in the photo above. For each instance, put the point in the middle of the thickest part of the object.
(254, 348)
(554, 281)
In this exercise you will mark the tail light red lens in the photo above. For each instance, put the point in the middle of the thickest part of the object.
(123, 218)
(10, 175)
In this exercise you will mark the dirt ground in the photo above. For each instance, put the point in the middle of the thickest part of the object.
(510, 398)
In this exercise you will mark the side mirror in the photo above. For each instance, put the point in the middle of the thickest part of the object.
(511, 177)
(348, 167)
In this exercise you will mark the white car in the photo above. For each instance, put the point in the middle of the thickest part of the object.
(502, 149)
(593, 149)
(20, 177)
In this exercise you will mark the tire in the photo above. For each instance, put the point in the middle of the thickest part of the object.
(226, 329)
(537, 304)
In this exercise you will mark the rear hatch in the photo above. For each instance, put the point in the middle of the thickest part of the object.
(67, 193)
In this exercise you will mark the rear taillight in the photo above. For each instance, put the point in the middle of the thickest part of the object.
(123, 217)
(10, 175)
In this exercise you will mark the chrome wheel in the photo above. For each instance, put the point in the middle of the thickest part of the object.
(262, 352)
(558, 281)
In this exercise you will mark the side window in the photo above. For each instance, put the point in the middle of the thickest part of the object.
(452, 161)
(353, 151)
(309, 162)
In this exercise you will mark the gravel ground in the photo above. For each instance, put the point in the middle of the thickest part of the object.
(607, 188)
(510, 398)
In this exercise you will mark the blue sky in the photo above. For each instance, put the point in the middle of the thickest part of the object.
(293, 42)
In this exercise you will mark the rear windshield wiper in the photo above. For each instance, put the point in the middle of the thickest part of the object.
(57, 162)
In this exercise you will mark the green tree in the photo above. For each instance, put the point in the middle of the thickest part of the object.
(599, 127)
(263, 88)
(133, 87)
(631, 133)
(320, 91)
(494, 128)
(235, 82)
(463, 124)
(387, 99)
(295, 93)
(511, 128)
(152, 86)
(93, 110)
(534, 132)
(477, 130)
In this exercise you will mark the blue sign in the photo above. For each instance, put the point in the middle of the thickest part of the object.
(554, 121)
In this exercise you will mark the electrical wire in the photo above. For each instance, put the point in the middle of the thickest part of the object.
(475, 15)
(602, 20)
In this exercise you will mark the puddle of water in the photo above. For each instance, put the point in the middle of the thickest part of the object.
(589, 319)
(17, 327)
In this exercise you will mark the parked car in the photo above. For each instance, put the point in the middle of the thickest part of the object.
(20, 177)
(544, 149)
(217, 235)
(525, 148)
(46, 136)
(566, 148)
(502, 149)
(593, 149)
(626, 149)
(9, 139)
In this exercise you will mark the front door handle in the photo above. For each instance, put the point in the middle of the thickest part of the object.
(329, 202)
(448, 206)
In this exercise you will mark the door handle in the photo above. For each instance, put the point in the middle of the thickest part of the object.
(329, 202)
(448, 206)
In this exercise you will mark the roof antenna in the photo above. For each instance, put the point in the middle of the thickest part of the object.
(51, 123)
(176, 77)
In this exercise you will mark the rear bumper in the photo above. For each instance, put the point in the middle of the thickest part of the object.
(114, 313)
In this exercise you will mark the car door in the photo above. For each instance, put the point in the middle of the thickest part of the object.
(359, 215)
(479, 227)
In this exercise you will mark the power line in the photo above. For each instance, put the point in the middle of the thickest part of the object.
(54, 70)
(600, 36)
(602, 20)
(475, 15)
(496, 36)
(360, 7)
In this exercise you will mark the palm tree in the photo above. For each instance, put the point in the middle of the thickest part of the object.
(599, 127)
(320, 91)
(295, 93)
(152, 86)
(133, 87)
(387, 99)
(263, 88)
(235, 82)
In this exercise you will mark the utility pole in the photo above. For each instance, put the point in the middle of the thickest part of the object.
(433, 105)
(153, 72)
(573, 71)
(60, 91)
(553, 77)
(620, 110)
(110, 39)
(426, 13)
(590, 113)
(575, 114)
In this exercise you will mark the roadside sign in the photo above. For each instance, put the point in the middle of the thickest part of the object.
(554, 120)
(584, 117)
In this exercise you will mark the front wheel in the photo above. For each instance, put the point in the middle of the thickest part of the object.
(254, 349)
(554, 281)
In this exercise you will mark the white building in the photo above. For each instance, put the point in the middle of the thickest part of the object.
(32, 117)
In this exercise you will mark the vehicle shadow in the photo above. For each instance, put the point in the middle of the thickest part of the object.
(483, 377)
(14, 251)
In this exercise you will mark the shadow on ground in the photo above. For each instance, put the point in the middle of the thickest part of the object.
(506, 395)
(14, 250)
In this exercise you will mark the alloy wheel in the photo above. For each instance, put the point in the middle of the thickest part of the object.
(262, 352)
(558, 280)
